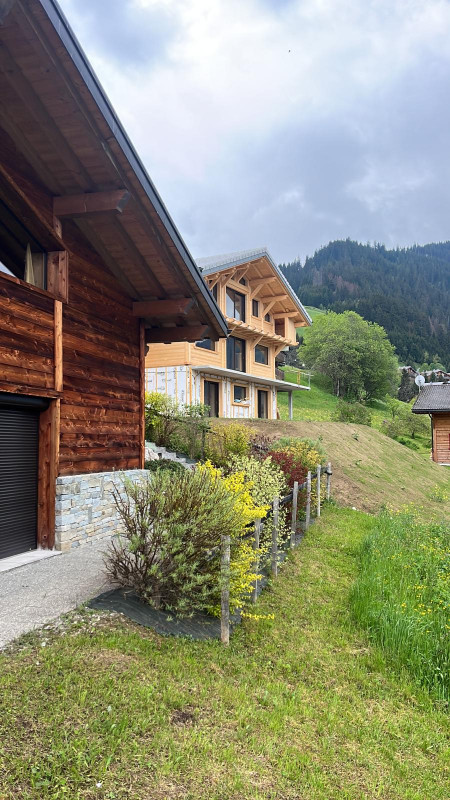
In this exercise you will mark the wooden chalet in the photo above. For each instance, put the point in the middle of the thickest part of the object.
(434, 400)
(236, 377)
(92, 271)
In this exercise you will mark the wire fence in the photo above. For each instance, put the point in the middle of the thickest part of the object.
(322, 491)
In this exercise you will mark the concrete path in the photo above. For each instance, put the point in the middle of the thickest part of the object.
(37, 593)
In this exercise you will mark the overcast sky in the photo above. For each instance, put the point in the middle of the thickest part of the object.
(284, 123)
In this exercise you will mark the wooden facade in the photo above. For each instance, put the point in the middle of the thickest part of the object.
(92, 269)
(434, 400)
(265, 321)
(440, 424)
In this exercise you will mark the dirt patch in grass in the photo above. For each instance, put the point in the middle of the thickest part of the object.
(369, 469)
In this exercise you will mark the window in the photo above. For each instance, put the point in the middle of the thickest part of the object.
(20, 253)
(267, 317)
(255, 308)
(207, 344)
(235, 304)
(239, 394)
(243, 281)
(236, 354)
(261, 354)
(214, 292)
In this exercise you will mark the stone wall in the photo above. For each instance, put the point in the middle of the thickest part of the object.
(85, 509)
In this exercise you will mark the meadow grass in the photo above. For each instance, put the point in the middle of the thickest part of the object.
(303, 706)
(402, 595)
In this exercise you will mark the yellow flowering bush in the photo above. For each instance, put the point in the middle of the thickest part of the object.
(226, 440)
(243, 556)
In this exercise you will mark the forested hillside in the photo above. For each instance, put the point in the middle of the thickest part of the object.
(407, 291)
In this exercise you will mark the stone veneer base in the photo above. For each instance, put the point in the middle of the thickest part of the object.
(85, 509)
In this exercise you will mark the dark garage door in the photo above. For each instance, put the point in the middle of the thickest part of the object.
(19, 438)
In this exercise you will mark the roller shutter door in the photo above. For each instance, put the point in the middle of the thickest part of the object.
(19, 443)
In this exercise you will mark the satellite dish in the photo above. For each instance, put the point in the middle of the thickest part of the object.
(419, 380)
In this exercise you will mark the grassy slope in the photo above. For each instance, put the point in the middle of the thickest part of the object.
(299, 707)
(369, 469)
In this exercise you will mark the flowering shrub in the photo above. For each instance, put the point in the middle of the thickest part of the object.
(224, 441)
(173, 524)
(243, 556)
(268, 480)
(296, 457)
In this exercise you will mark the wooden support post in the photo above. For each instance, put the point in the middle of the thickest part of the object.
(58, 348)
(142, 347)
(294, 513)
(291, 405)
(225, 591)
(329, 473)
(256, 561)
(274, 563)
(308, 501)
(319, 470)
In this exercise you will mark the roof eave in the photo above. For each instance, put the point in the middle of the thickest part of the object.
(78, 57)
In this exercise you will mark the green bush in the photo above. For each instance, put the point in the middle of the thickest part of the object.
(165, 463)
(227, 440)
(267, 479)
(170, 554)
(352, 412)
(177, 426)
(402, 596)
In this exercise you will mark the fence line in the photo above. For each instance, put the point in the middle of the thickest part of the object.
(278, 502)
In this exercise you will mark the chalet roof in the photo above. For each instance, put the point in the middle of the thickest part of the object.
(59, 132)
(213, 264)
(434, 398)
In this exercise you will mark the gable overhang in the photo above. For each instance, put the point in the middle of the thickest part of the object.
(253, 257)
(57, 123)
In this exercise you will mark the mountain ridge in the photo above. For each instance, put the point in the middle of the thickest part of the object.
(406, 290)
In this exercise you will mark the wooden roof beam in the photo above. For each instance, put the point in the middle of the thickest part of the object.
(161, 309)
(185, 333)
(78, 205)
(287, 315)
(273, 298)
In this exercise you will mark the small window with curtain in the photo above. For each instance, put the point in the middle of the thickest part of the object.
(255, 308)
(267, 317)
(261, 354)
(239, 394)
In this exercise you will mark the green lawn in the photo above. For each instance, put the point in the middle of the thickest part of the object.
(299, 708)
(319, 404)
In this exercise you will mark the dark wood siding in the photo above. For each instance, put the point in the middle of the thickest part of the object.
(26, 339)
(100, 405)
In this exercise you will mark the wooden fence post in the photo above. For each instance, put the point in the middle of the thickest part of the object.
(308, 501)
(274, 563)
(256, 561)
(294, 513)
(319, 470)
(329, 473)
(225, 591)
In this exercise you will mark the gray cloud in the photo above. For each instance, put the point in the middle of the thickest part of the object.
(122, 31)
(249, 144)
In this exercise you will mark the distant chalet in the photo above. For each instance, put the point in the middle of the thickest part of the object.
(434, 399)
